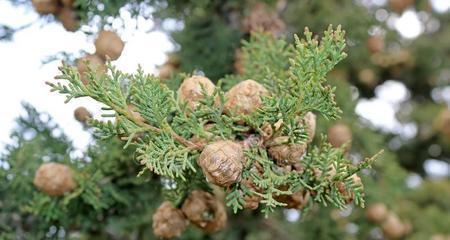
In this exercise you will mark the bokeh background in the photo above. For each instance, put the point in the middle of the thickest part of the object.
(394, 86)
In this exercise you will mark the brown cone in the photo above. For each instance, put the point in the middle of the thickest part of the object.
(222, 162)
(244, 97)
(82, 115)
(375, 44)
(442, 122)
(68, 19)
(168, 221)
(339, 134)
(287, 154)
(393, 227)
(190, 90)
(400, 5)
(95, 62)
(377, 212)
(45, 6)
(297, 200)
(262, 19)
(55, 179)
(108, 43)
(205, 211)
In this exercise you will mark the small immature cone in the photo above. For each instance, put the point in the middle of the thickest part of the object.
(55, 179)
(261, 18)
(68, 19)
(377, 212)
(108, 43)
(375, 44)
(367, 77)
(96, 64)
(400, 5)
(82, 115)
(339, 134)
(310, 122)
(287, 154)
(191, 90)
(393, 227)
(205, 211)
(45, 6)
(222, 162)
(244, 97)
(168, 221)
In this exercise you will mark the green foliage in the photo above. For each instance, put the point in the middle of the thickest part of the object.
(164, 146)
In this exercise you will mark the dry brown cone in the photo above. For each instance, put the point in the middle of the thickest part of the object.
(287, 154)
(168, 221)
(244, 97)
(239, 62)
(166, 71)
(191, 90)
(347, 195)
(251, 140)
(45, 6)
(261, 18)
(442, 122)
(68, 19)
(96, 63)
(222, 162)
(297, 200)
(251, 201)
(377, 212)
(375, 44)
(339, 134)
(55, 179)
(108, 43)
(82, 115)
(393, 227)
(205, 211)
(400, 5)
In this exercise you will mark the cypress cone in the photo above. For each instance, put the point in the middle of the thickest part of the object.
(168, 221)
(191, 90)
(375, 44)
(55, 179)
(222, 162)
(82, 115)
(393, 227)
(244, 97)
(261, 19)
(205, 211)
(339, 134)
(377, 212)
(94, 62)
(45, 6)
(108, 43)
(68, 19)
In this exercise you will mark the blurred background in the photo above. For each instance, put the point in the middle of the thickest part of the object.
(393, 88)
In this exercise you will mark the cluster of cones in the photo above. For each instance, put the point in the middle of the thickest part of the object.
(393, 227)
(63, 10)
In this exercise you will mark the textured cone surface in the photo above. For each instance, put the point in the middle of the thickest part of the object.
(205, 211)
(297, 200)
(168, 221)
(377, 212)
(68, 19)
(339, 134)
(262, 19)
(55, 179)
(109, 44)
(95, 62)
(244, 97)
(375, 44)
(191, 90)
(393, 227)
(222, 162)
(81, 114)
(45, 6)
(287, 154)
